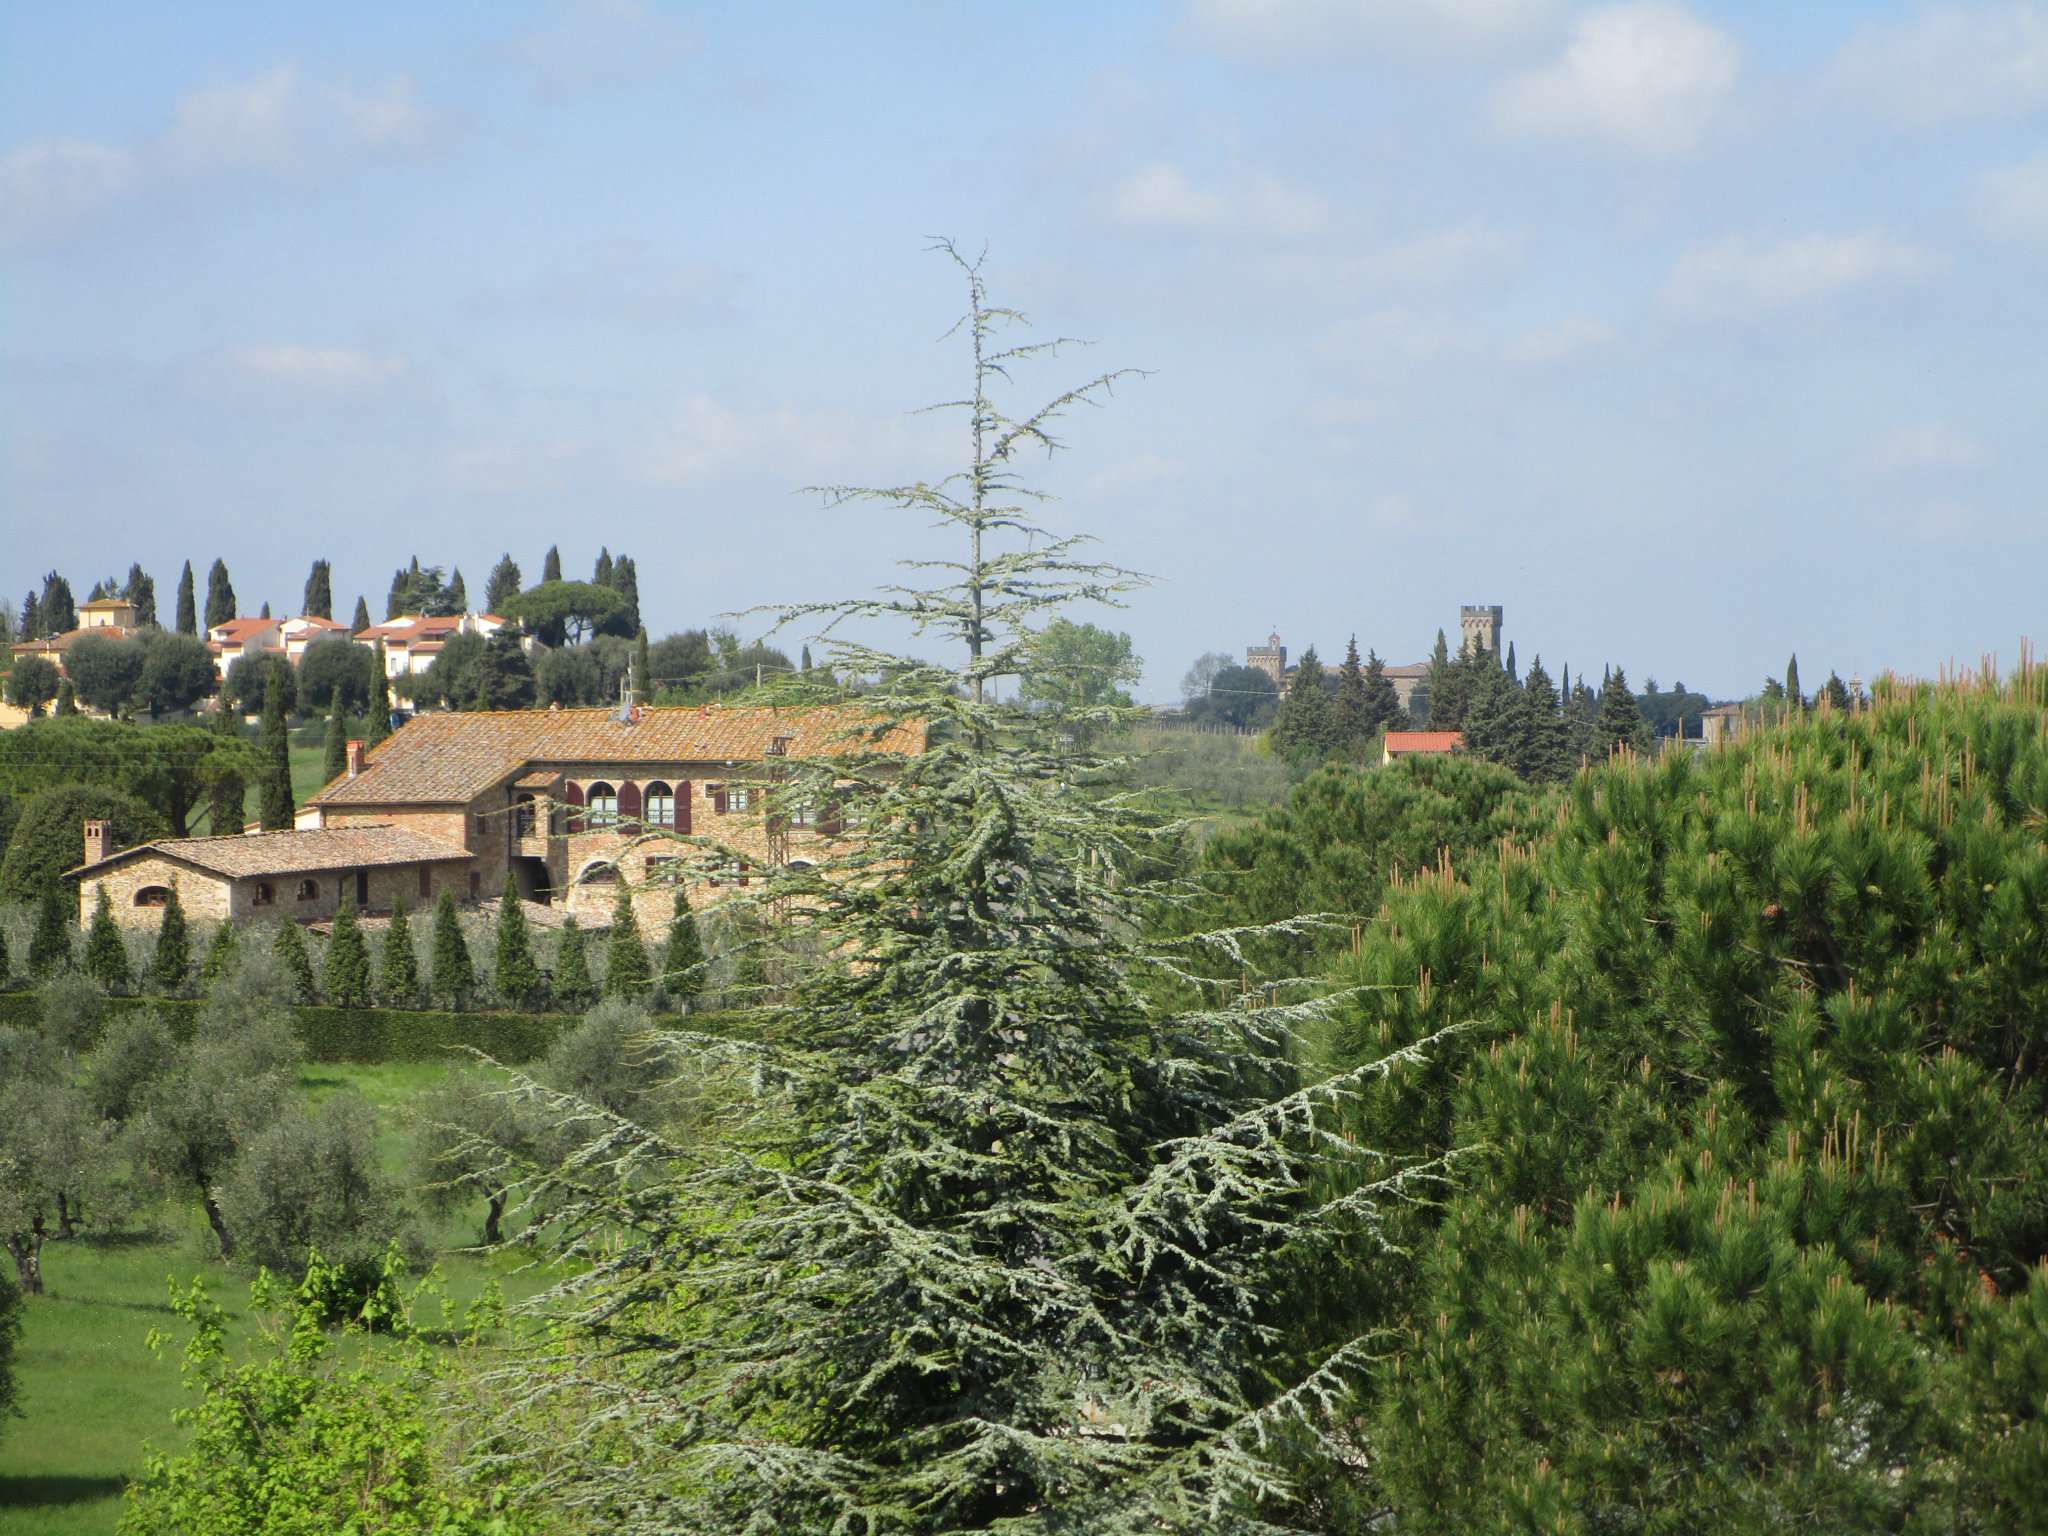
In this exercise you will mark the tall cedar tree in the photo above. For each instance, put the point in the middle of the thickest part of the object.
(140, 589)
(171, 962)
(504, 677)
(289, 945)
(220, 595)
(378, 725)
(571, 983)
(986, 1246)
(514, 972)
(682, 965)
(1350, 723)
(106, 956)
(503, 583)
(274, 776)
(1306, 724)
(59, 612)
(454, 974)
(1547, 758)
(227, 790)
(1383, 711)
(361, 619)
(626, 970)
(337, 743)
(319, 599)
(188, 604)
(49, 945)
(1498, 721)
(551, 565)
(1620, 722)
(398, 967)
(345, 966)
(1836, 692)
(220, 956)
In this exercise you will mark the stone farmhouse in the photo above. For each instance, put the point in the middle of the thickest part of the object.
(559, 798)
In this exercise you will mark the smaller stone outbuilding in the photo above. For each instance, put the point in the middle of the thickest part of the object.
(302, 875)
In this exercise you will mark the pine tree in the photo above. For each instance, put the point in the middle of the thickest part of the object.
(106, 956)
(515, 975)
(1437, 683)
(31, 619)
(274, 778)
(1548, 758)
(220, 956)
(1499, 722)
(1351, 712)
(503, 585)
(59, 612)
(188, 607)
(1305, 726)
(398, 975)
(319, 598)
(361, 620)
(220, 595)
(626, 582)
(1621, 721)
(1836, 693)
(601, 575)
(1383, 711)
(626, 970)
(573, 987)
(49, 946)
(682, 966)
(551, 565)
(227, 791)
(504, 678)
(140, 589)
(1792, 693)
(337, 743)
(345, 967)
(458, 592)
(289, 945)
(172, 962)
(454, 970)
(378, 725)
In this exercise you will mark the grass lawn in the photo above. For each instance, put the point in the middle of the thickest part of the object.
(91, 1392)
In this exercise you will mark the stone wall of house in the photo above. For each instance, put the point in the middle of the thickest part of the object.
(312, 898)
(200, 894)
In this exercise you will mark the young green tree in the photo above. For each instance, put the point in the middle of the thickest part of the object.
(1438, 684)
(345, 967)
(336, 763)
(188, 608)
(274, 778)
(1792, 693)
(626, 971)
(643, 669)
(32, 683)
(1547, 758)
(289, 945)
(172, 961)
(49, 946)
(220, 595)
(682, 963)
(67, 699)
(1081, 670)
(222, 951)
(514, 974)
(398, 969)
(378, 725)
(454, 972)
(360, 620)
(319, 597)
(993, 1236)
(1836, 692)
(571, 981)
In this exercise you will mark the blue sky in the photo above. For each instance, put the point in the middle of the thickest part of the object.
(1694, 335)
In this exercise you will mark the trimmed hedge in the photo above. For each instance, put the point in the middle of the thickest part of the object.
(365, 1035)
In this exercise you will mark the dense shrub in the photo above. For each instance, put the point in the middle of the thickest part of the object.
(50, 836)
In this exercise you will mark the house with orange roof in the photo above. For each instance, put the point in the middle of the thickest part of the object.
(1420, 744)
(413, 640)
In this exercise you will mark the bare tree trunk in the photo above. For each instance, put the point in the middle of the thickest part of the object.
(220, 1227)
(26, 1248)
(64, 1226)
(493, 1216)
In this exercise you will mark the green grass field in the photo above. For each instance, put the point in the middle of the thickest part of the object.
(92, 1394)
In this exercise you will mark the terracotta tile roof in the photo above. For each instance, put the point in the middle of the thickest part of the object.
(313, 621)
(1424, 741)
(62, 643)
(1415, 669)
(439, 759)
(294, 852)
(540, 778)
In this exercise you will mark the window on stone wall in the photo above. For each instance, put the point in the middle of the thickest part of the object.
(738, 797)
(664, 869)
(309, 890)
(153, 896)
(266, 894)
(604, 872)
(660, 810)
(603, 801)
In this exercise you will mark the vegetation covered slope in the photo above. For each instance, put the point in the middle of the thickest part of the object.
(1750, 1226)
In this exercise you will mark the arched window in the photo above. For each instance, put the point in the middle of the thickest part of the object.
(522, 816)
(152, 896)
(266, 894)
(661, 805)
(599, 872)
(309, 890)
(603, 801)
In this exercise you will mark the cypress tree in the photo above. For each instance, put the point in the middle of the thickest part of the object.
(49, 946)
(503, 585)
(458, 592)
(1513, 672)
(1621, 721)
(378, 725)
(551, 565)
(31, 620)
(289, 945)
(1437, 684)
(274, 778)
(220, 595)
(1351, 722)
(345, 968)
(682, 966)
(337, 742)
(626, 582)
(106, 957)
(1305, 727)
(1383, 711)
(515, 974)
(626, 970)
(319, 599)
(188, 606)
(454, 971)
(1792, 693)
(643, 670)
(573, 987)
(361, 620)
(227, 791)
(140, 589)
(172, 962)
(220, 956)
(398, 979)
(67, 697)
(601, 574)
(806, 665)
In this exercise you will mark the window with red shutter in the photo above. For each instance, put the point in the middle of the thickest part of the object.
(573, 793)
(683, 806)
(629, 801)
(718, 799)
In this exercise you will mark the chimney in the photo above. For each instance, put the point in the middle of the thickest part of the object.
(98, 841)
(355, 758)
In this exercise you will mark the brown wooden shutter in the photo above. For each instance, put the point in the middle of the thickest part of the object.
(683, 805)
(629, 801)
(573, 793)
(718, 798)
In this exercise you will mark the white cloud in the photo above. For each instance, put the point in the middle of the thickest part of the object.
(1948, 62)
(1739, 276)
(1294, 31)
(1648, 78)
(1454, 254)
(394, 120)
(2011, 203)
(1280, 208)
(48, 186)
(1559, 343)
(250, 126)
(1924, 445)
(1161, 195)
(336, 369)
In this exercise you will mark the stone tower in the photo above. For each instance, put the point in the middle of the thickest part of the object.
(1481, 627)
(1270, 658)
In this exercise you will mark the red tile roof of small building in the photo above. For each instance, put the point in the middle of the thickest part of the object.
(295, 852)
(1399, 742)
